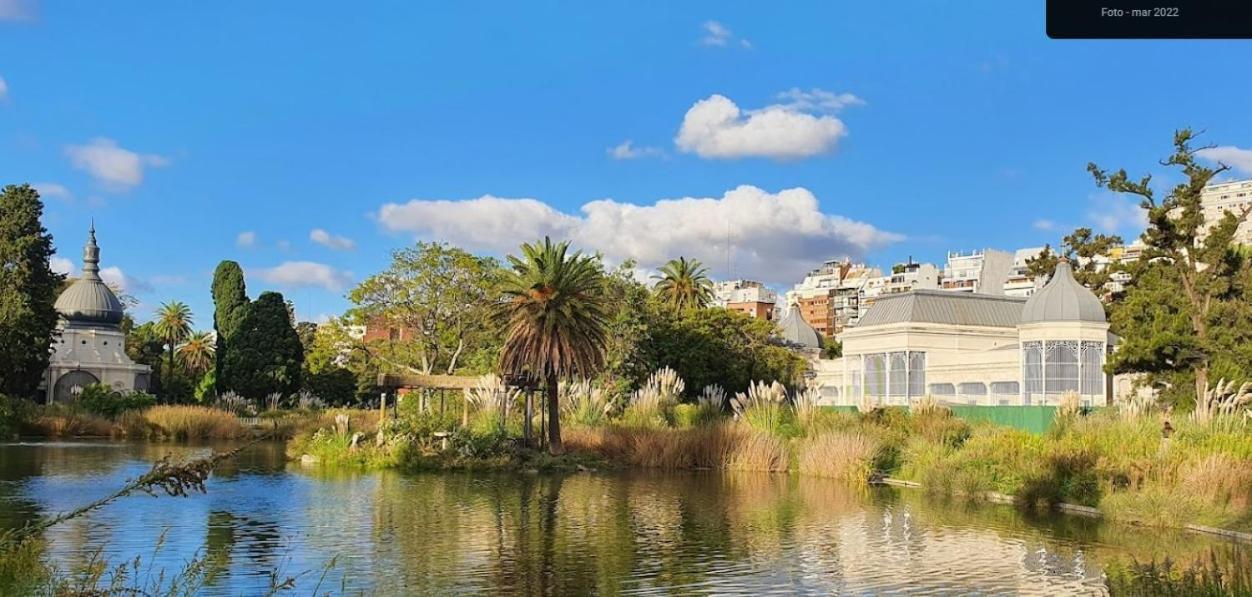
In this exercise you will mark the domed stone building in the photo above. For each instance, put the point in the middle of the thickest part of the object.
(91, 347)
(976, 349)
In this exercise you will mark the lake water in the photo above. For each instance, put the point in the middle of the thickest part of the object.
(616, 533)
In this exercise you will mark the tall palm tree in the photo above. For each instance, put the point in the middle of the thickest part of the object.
(173, 325)
(684, 284)
(553, 314)
(197, 351)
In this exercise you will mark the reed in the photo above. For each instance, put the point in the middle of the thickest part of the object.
(195, 422)
(838, 455)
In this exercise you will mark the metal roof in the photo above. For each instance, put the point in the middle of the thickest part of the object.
(88, 301)
(1063, 299)
(794, 330)
(938, 306)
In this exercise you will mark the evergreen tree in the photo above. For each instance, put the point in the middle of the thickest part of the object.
(28, 291)
(264, 354)
(230, 304)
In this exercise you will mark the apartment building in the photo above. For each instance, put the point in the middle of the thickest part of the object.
(982, 271)
(1019, 283)
(1234, 197)
(746, 296)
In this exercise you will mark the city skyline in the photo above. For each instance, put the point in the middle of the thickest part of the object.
(863, 134)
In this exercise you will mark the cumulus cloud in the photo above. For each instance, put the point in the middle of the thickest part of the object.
(305, 274)
(1044, 225)
(118, 279)
(326, 239)
(716, 128)
(1114, 213)
(817, 100)
(111, 164)
(627, 150)
(717, 35)
(1235, 157)
(774, 237)
(53, 190)
(245, 239)
(62, 266)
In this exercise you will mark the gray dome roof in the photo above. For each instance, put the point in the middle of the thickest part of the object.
(1063, 299)
(795, 331)
(89, 301)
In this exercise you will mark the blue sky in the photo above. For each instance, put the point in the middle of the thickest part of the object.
(801, 131)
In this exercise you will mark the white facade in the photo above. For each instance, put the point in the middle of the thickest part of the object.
(742, 291)
(1019, 283)
(978, 349)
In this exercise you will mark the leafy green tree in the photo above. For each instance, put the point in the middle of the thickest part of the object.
(723, 347)
(1188, 281)
(628, 356)
(28, 291)
(173, 324)
(554, 320)
(230, 305)
(831, 348)
(146, 347)
(439, 296)
(197, 352)
(265, 355)
(1083, 248)
(684, 284)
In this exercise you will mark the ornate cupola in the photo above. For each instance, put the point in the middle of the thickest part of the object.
(1063, 299)
(89, 302)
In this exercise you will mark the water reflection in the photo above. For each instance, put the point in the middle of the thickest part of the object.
(632, 533)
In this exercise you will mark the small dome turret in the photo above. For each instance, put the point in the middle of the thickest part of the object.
(1063, 299)
(797, 332)
(89, 301)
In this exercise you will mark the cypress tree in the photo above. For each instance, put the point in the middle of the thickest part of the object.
(265, 353)
(28, 291)
(230, 304)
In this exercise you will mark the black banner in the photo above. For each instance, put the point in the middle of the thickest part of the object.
(1150, 19)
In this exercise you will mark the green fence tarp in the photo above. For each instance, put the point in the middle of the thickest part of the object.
(1035, 419)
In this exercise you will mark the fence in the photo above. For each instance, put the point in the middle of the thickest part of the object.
(1034, 419)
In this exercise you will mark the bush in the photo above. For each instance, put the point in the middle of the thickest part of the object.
(103, 401)
(15, 414)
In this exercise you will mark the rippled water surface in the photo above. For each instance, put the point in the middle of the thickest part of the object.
(622, 532)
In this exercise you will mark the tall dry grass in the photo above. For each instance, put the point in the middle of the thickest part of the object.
(195, 422)
(725, 446)
(838, 455)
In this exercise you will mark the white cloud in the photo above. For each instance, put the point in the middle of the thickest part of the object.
(326, 239)
(246, 239)
(62, 265)
(626, 150)
(717, 35)
(4, 87)
(817, 100)
(1235, 157)
(775, 237)
(116, 278)
(111, 164)
(307, 274)
(1114, 213)
(53, 190)
(716, 128)
(16, 10)
(1044, 225)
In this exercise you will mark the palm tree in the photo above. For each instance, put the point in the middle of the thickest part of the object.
(684, 284)
(553, 314)
(173, 325)
(197, 351)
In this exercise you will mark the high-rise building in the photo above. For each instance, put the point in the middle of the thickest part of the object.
(1234, 197)
(828, 298)
(746, 296)
(1020, 283)
(983, 271)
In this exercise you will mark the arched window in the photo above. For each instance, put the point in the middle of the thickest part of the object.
(1032, 368)
(898, 374)
(1060, 367)
(1005, 392)
(1093, 368)
(942, 389)
(972, 389)
(875, 375)
(917, 373)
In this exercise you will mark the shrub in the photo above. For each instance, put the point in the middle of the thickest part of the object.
(235, 404)
(763, 407)
(583, 404)
(101, 400)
